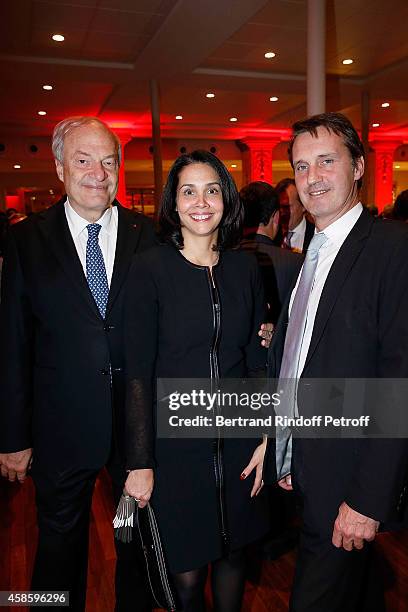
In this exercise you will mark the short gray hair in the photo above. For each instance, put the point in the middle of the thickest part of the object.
(64, 127)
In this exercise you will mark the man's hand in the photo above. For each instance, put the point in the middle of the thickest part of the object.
(286, 483)
(139, 484)
(266, 332)
(351, 528)
(15, 465)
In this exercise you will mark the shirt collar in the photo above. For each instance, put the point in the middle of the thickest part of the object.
(338, 231)
(78, 223)
(300, 226)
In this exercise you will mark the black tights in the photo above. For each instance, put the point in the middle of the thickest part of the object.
(227, 585)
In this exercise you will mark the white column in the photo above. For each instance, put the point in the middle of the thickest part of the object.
(316, 57)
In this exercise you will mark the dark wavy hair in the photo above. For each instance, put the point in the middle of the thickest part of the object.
(230, 228)
(333, 122)
(260, 202)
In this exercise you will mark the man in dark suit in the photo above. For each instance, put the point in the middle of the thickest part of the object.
(261, 224)
(296, 228)
(346, 319)
(62, 372)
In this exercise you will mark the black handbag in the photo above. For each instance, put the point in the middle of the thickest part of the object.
(156, 567)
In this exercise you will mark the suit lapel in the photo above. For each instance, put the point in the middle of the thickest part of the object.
(126, 244)
(54, 226)
(278, 338)
(340, 270)
(309, 233)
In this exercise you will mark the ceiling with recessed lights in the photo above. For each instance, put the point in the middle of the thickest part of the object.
(249, 54)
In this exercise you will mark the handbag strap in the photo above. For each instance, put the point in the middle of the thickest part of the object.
(159, 558)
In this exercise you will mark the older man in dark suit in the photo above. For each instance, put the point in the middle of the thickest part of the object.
(62, 371)
(346, 319)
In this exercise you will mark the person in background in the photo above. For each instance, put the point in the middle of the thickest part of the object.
(62, 383)
(261, 225)
(296, 228)
(3, 234)
(400, 211)
(387, 212)
(372, 209)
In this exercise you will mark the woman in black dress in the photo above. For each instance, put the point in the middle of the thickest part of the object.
(194, 307)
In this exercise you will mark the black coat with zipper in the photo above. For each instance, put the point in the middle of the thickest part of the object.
(171, 326)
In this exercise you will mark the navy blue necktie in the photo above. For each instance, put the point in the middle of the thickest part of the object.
(95, 269)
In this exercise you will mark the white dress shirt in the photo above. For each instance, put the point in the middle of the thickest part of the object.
(336, 233)
(107, 235)
(298, 236)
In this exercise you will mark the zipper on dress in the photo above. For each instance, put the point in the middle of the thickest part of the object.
(215, 376)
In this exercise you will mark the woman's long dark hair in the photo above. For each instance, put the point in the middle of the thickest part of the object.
(229, 230)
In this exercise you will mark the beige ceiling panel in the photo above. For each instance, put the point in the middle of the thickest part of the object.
(42, 43)
(61, 18)
(291, 65)
(120, 22)
(147, 6)
(129, 99)
(110, 47)
(285, 13)
(260, 34)
(70, 3)
(78, 98)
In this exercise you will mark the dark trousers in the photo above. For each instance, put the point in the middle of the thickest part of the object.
(328, 579)
(63, 513)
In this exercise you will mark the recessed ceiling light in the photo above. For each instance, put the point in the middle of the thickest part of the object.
(179, 116)
(210, 95)
(397, 166)
(274, 99)
(47, 87)
(233, 165)
(346, 62)
(233, 119)
(385, 104)
(375, 125)
(58, 37)
(17, 166)
(270, 54)
(42, 113)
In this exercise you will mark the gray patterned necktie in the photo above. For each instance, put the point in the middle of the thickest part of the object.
(288, 376)
(95, 269)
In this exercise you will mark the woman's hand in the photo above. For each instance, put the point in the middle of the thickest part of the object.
(139, 484)
(266, 333)
(256, 463)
